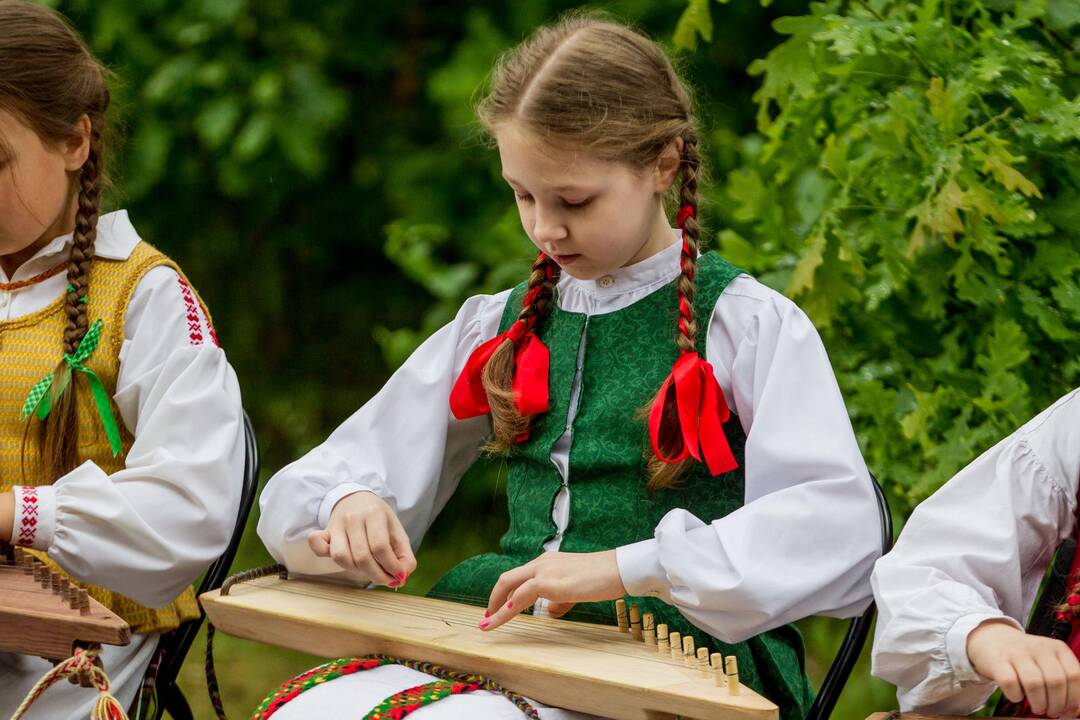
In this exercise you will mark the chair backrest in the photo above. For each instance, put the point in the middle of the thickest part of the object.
(858, 630)
(1054, 589)
(173, 647)
(1043, 618)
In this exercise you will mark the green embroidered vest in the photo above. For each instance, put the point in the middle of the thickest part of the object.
(625, 357)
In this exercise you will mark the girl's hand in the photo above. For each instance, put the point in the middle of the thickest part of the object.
(1040, 668)
(562, 578)
(365, 535)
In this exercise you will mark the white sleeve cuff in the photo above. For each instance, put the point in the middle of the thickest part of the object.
(956, 644)
(336, 494)
(35, 516)
(641, 572)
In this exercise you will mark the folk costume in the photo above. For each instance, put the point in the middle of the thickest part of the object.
(155, 498)
(790, 529)
(974, 551)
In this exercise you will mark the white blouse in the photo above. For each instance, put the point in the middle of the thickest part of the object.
(976, 550)
(150, 529)
(803, 544)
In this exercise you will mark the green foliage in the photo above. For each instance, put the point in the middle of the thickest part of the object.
(695, 20)
(906, 171)
(458, 231)
(914, 185)
(268, 146)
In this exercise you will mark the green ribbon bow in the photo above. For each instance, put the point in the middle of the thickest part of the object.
(40, 399)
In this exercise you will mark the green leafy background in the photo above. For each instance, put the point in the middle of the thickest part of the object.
(908, 172)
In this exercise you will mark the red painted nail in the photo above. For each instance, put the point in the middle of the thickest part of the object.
(487, 613)
(393, 583)
(401, 577)
(510, 604)
(484, 624)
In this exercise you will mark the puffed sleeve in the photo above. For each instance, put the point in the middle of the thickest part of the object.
(808, 534)
(150, 529)
(974, 551)
(403, 444)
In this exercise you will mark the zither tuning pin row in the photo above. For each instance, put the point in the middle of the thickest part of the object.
(76, 597)
(643, 627)
(725, 671)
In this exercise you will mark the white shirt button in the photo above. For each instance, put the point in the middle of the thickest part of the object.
(606, 282)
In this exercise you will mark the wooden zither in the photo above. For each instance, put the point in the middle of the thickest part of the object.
(43, 613)
(596, 669)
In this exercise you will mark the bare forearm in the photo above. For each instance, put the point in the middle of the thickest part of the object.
(7, 514)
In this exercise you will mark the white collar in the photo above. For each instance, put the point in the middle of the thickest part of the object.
(655, 270)
(116, 240)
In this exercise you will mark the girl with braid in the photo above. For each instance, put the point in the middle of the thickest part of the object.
(121, 434)
(672, 429)
(965, 573)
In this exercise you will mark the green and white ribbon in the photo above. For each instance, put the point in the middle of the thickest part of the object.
(40, 400)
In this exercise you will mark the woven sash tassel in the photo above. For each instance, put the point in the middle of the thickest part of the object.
(81, 663)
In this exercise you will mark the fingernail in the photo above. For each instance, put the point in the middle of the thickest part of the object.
(510, 604)
(484, 623)
(487, 613)
(401, 577)
(393, 583)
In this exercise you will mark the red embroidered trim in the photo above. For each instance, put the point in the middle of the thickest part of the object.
(194, 321)
(29, 517)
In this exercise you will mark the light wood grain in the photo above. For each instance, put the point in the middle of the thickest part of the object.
(38, 621)
(589, 668)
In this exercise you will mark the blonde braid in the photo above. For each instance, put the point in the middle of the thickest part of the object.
(667, 474)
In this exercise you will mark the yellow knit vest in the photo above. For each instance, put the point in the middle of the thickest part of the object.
(30, 347)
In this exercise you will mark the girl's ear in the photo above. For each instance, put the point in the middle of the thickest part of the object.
(667, 166)
(77, 147)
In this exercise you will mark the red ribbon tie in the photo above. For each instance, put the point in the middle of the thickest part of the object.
(701, 411)
(686, 211)
(530, 382)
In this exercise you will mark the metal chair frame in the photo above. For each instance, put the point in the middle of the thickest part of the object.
(174, 646)
(858, 630)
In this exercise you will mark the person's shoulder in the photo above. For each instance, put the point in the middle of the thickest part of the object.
(116, 238)
(747, 301)
(483, 306)
(1054, 436)
(1062, 416)
(486, 300)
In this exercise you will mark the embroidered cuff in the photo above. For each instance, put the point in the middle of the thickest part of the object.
(956, 644)
(337, 494)
(35, 516)
(641, 572)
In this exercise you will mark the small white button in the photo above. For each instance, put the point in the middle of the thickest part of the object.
(606, 281)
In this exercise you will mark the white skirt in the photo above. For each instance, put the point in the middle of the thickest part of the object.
(353, 696)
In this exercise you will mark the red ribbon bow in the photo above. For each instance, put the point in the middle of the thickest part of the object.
(468, 398)
(692, 395)
(702, 411)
